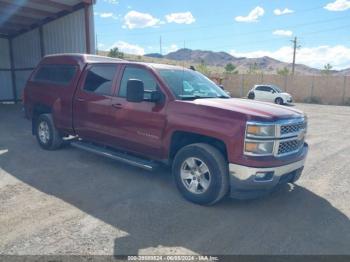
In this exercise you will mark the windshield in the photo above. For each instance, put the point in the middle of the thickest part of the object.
(278, 90)
(188, 84)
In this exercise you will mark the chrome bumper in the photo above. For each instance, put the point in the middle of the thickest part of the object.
(246, 183)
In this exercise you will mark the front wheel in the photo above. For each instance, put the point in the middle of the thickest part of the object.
(201, 173)
(279, 101)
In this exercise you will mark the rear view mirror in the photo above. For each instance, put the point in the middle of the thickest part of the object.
(134, 91)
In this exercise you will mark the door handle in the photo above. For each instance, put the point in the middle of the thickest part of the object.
(80, 99)
(117, 106)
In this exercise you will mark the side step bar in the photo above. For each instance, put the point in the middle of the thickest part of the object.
(122, 157)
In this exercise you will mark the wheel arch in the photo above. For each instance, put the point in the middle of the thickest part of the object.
(179, 139)
(39, 109)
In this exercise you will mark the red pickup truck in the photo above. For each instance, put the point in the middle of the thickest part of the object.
(151, 114)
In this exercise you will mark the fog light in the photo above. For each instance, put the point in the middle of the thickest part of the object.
(263, 176)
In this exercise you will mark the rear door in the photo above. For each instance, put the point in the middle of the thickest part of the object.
(259, 93)
(93, 114)
(139, 126)
(263, 93)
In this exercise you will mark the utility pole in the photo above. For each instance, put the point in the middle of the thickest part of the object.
(160, 45)
(295, 47)
(96, 44)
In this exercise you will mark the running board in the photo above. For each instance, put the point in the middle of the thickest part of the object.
(122, 157)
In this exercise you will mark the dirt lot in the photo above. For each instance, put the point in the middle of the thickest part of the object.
(73, 202)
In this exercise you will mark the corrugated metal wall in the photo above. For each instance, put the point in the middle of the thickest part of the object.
(66, 34)
(5, 75)
(4, 54)
(26, 49)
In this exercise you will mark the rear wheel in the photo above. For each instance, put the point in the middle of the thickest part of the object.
(47, 135)
(201, 173)
(279, 101)
(251, 95)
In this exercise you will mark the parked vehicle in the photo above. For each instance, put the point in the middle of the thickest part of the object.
(151, 114)
(270, 93)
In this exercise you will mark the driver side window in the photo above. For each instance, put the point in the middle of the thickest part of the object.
(148, 80)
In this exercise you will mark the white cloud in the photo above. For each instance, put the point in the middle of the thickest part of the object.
(180, 18)
(171, 48)
(285, 11)
(134, 19)
(338, 5)
(101, 45)
(252, 16)
(106, 15)
(113, 2)
(129, 48)
(281, 32)
(338, 56)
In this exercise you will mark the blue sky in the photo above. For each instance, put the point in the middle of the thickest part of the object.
(248, 28)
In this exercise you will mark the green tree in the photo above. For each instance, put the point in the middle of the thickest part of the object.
(202, 67)
(253, 68)
(231, 68)
(114, 52)
(327, 69)
(283, 72)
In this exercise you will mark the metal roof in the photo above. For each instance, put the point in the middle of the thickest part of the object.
(19, 16)
(77, 58)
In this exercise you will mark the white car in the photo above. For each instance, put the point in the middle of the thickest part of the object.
(269, 93)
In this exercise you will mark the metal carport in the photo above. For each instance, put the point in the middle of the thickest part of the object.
(31, 29)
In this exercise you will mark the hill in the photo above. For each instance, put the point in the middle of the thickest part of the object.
(220, 59)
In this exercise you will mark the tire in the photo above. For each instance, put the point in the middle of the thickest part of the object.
(216, 180)
(46, 133)
(279, 101)
(251, 95)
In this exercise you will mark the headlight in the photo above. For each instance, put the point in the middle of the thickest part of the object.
(260, 130)
(259, 148)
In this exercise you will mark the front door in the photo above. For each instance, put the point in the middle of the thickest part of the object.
(140, 126)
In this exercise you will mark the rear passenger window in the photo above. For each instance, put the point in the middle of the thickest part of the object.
(263, 88)
(99, 79)
(55, 74)
(148, 80)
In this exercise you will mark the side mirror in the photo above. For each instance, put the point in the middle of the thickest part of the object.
(134, 91)
(228, 92)
(156, 96)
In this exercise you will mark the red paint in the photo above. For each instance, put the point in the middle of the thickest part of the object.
(146, 128)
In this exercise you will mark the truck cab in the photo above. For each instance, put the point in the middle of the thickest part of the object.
(152, 114)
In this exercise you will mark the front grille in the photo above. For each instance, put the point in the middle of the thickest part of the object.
(289, 146)
(292, 128)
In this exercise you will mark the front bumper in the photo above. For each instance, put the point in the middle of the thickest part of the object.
(246, 182)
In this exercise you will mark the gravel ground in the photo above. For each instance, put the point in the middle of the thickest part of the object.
(73, 202)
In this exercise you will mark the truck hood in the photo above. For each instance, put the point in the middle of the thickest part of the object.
(251, 108)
